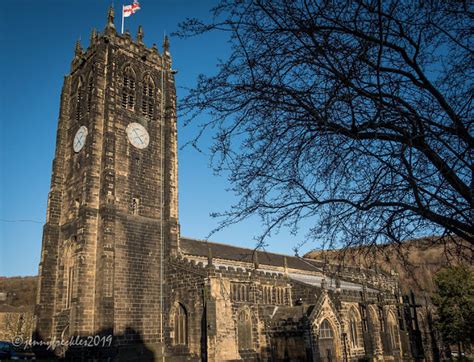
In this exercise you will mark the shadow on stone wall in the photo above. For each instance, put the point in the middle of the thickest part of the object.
(104, 346)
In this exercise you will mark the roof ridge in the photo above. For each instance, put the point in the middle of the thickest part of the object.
(240, 247)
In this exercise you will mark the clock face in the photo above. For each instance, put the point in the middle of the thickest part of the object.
(138, 135)
(80, 139)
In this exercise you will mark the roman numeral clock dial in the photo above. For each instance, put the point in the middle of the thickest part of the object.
(79, 139)
(137, 135)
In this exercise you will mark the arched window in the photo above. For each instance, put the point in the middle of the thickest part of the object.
(326, 343)
(90, 91)
(354, 323)
(244, 330)
(374, 327)
(325, 330)
(353, 332)
(128, 89)
(68, 275)
(393, 331)
(180, 325)
(148, 97)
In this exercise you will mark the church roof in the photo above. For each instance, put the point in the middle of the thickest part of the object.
(303, 270)
(229, 252)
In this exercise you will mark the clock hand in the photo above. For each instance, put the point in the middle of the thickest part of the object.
(134, 130)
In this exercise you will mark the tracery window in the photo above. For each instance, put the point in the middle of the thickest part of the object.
(353, 331)
(128, 89)
(148, 97)
(393, 331)
(244, 330)
(325, 330)
(180, 325)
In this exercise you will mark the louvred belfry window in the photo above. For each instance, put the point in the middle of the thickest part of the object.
(148, 97)
(79, 101)
(128, 89)
(90, 92)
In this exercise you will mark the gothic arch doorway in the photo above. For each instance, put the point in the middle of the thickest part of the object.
(326, 342)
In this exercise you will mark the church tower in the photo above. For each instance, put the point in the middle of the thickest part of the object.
(112, 216)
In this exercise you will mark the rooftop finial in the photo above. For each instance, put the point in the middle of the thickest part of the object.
(140, 34)
(78, 49)
(166, 44)
(209, 257)
(110, 18)
(93, 37)
(110, 15)
(324, 283)
(256, 264)
(338, 285)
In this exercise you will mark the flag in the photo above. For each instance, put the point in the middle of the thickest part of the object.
(130, 9)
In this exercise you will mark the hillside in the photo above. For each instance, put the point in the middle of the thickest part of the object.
(21, 293)
(416, 261)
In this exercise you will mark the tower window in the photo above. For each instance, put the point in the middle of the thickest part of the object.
(180, 325)
(148, 97)
(135, 205)
(69, 275)
(78, 104)
(128, 89)
(90, 91)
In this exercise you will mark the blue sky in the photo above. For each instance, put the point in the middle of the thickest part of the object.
(38, 39)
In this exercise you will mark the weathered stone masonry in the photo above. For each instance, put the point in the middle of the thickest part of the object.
(113, 261)
(112, 207)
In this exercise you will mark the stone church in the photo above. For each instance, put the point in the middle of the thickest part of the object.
(113, 262)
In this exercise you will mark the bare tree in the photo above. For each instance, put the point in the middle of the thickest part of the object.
(16, 324)
(354, 115)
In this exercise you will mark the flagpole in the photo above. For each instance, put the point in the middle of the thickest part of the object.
(122, 19)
